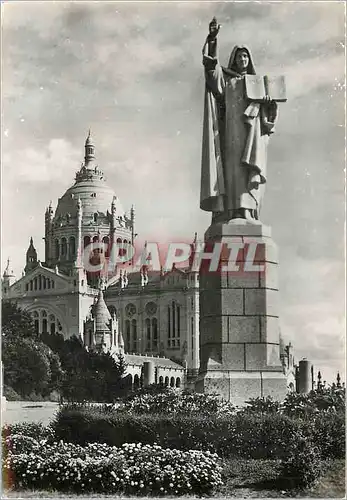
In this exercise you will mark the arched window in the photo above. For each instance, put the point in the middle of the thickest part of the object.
(127, 336)
(31, 285)
(173, 319)
(154, 333)
(63, 248)
(72, 247)
(86, 241)
(161, 380)
(52, 323)
(178, 321)
(56, 245)
(121, 250)
(134, 334)
(106, 242)
(35, 283)
(48, 283)
(52, 284)
(40, 282)
(113, 310)
(95, 239)
(166, 381)
(44, 281)
(36, 321)
(136, 382)
(27, 287)
(172, 382)
(178, 382)
(44, 325)
(174, 324)
(148, 335)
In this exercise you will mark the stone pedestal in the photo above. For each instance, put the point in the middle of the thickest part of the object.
(239, 324)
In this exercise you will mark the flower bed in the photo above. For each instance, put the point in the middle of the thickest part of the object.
(131, 469)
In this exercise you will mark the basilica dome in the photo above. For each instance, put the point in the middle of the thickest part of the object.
(88, 212)
(90, 187)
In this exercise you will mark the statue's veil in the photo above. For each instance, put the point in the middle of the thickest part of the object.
(232, 63)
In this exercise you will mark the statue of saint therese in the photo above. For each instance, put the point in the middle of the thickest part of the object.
(235, 136)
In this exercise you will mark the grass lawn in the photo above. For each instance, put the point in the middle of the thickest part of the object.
(243, 479)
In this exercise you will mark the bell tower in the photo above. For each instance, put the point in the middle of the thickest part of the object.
(8, 279)
(31, 257)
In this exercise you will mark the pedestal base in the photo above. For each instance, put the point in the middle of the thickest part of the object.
(239, 318)
(239, 386)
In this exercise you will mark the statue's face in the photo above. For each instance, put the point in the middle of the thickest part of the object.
(242, 60)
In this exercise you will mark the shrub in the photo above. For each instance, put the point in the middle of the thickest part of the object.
(302, 465)
(328, 433)
(250, 436)
(171, 402)
(131, 469)
(328, 400)
(10, 394)
(262, 405)
(34, 430)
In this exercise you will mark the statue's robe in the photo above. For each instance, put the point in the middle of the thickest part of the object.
(235, 137)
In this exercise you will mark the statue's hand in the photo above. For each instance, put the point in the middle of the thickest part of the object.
(213, 29)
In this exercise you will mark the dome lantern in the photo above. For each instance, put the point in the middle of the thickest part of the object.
(89, 147)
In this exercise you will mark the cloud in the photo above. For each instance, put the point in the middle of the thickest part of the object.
(312, 309)
(49, 164)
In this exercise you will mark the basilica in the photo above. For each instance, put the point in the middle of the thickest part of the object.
(152, 317)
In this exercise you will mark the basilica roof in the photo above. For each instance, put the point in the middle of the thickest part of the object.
(138, 359)
(90, 188)
(95, 196)
(101, 314)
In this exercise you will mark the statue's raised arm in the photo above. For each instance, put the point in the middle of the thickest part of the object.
(239, 117)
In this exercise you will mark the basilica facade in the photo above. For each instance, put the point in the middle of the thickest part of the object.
(152, 317)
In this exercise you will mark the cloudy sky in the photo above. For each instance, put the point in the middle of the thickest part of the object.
(132, 72)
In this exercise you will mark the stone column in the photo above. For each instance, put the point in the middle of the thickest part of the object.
(148, 373)
(239, 323)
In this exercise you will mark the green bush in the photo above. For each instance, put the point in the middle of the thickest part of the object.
(173, 402)
(30, 429)
(302, 466)
(325, 400)
(262, 405)
(131, 469)
(10, 394)
(328, 433)
(249, 436)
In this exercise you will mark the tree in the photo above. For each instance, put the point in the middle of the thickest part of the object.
(30, 366)
(88, 376)
(26, 365)
(16, 322)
